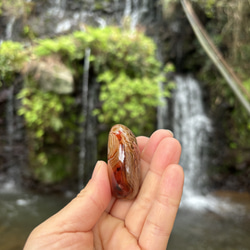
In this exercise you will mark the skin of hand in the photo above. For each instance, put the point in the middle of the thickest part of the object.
(96, 220)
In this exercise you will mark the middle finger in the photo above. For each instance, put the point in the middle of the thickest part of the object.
(167, 152)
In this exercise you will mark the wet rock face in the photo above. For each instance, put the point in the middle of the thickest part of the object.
(40, 19)
(48, 18)
(53, 18)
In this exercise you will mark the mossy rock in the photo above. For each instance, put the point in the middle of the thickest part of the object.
(50, 74)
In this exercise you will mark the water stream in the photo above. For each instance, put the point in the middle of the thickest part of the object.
(205, 220)
(225, 226)
(10, 118)
(193, 128)
(21, 211)
(212, 222)
(9, 28)
(194, 229)
(84, 113)
(134, 10)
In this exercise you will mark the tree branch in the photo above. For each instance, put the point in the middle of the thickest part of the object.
(216, 56)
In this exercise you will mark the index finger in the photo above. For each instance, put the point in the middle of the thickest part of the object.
(150, 147)
(153, 143)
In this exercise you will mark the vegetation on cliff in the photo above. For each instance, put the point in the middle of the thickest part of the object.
(123, 64)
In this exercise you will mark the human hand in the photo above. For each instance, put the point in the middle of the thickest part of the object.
(96, 220)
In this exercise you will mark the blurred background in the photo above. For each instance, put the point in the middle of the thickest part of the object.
(69, 70)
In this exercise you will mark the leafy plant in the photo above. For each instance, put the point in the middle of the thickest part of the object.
(50, 127)
(125, 66)
(64, 46)
(128, 101)
(129, 75)
(43, 112)
(16, 8)
(12, 58)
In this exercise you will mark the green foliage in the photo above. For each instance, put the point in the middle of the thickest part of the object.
(207, 5)
(127, 100)
(239, 134)
(226, 26)
(125, 65)
(43, 112)
(64, 46)
(246, 83)
(111, 48)
(12, 58)
(128, 73)
(16, 8)
(55, 166)
(28, 32)
(50, 124)
(120, 50)
(235, 120)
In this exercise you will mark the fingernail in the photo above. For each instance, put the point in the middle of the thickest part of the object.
(170, 132)
(97, 168)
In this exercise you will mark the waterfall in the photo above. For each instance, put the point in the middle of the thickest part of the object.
(128, 8)
(10, 118)
(91, 128)
(185, 115)
(88, 136)
(58, 9)
(9, 28)
(162, 110)
(192, 128)
(84, 113)
(134, 10)
(10, 179)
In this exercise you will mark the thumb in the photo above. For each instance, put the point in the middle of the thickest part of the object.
(82, 213)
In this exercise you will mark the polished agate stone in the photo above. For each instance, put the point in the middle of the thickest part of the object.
(123, 162)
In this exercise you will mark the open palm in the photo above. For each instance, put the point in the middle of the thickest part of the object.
(96, 220)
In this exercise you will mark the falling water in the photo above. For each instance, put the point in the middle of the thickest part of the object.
(134, 10)
(128, 8)
(58, 9)
(162, 110)
(9, 28)
(82, 154)
(9, 179)
(192, 127)
(211, 221)
(10, 118)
